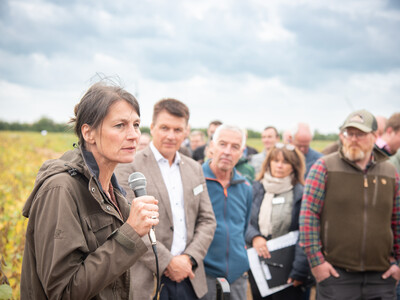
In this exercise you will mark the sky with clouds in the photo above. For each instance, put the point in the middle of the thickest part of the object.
(251, 63)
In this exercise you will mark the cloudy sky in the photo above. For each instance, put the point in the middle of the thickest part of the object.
(253, 63)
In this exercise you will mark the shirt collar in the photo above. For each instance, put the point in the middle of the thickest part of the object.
(159, 157)
(381, 143)
(235, 178)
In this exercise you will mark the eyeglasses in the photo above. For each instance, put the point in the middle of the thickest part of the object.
(358, 135)
(289, 147)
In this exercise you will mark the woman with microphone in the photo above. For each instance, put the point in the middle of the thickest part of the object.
(82, 236)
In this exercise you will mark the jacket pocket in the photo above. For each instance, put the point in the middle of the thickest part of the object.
(100, 226)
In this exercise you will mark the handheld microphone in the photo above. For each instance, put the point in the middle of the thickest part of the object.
(137, 183)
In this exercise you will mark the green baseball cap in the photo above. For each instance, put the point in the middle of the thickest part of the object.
(361, 119)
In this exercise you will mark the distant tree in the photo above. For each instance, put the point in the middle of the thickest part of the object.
(18, 126)
(325, 137)
(43, 124)
(253, 134)
(4, 125)
(47, 124)
(145, 129)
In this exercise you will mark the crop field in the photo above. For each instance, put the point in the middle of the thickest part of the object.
(21, 155)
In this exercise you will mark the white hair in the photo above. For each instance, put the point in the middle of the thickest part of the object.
(303, 126)
(231, 128)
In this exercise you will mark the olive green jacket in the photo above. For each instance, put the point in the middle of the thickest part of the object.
(77, 245)
(357, 217)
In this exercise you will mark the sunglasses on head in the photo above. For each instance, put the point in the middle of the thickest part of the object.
(289, 147)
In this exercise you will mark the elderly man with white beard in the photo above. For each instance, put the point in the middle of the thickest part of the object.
(350, 217)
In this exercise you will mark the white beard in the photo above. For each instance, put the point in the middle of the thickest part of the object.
(353, 153)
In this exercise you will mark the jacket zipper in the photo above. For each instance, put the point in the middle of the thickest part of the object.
(227, 231)
(375, 191)
(225, 190)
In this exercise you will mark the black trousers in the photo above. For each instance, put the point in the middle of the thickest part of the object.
(290, 293)
(172, 290)
(357, 285)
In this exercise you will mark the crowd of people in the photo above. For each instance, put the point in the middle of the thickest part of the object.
(210, 199)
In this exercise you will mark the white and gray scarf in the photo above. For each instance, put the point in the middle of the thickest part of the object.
(275, 186)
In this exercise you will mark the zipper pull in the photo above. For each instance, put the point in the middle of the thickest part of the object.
(365, 182)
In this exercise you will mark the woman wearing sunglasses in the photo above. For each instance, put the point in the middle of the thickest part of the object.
(277, 194)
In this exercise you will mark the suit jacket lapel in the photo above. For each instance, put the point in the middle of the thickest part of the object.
(157, 181)
(187, 190)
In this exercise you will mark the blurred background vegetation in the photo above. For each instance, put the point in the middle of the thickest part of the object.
(47, 124)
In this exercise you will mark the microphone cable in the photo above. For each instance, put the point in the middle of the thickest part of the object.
(137, 182)
(156, 296)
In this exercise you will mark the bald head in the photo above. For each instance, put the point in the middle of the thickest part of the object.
(144, 141)
(381, 124)
(302, 137)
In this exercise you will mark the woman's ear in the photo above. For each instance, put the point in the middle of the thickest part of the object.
(88, 134)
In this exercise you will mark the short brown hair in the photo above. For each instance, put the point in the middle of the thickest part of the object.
(94, 106)
(215, 123)
(394, 122)
(273, 128)
(173, 107)
(294, 157)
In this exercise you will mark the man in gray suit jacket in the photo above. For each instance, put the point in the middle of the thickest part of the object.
(187, 221)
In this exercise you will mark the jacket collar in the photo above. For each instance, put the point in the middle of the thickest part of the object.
(236, 178)
(158, 156)
(95, 171)
(377, 156)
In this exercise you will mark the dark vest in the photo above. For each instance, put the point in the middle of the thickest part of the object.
(356, 231)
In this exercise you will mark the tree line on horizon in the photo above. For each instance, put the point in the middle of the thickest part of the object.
(49, 125)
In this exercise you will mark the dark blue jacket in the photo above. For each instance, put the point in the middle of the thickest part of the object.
(300, 268)
(227, 255)
(311, 157)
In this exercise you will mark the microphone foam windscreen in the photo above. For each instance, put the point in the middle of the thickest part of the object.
(136, 181)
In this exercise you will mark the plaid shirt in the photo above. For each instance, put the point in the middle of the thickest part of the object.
(313, 202)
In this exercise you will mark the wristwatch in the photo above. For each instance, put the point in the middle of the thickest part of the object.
(193, 262)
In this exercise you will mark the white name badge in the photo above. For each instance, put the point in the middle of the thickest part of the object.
(278, 200)
(198, 189)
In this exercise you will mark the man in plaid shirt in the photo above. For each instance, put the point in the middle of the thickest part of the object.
(350, 217)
